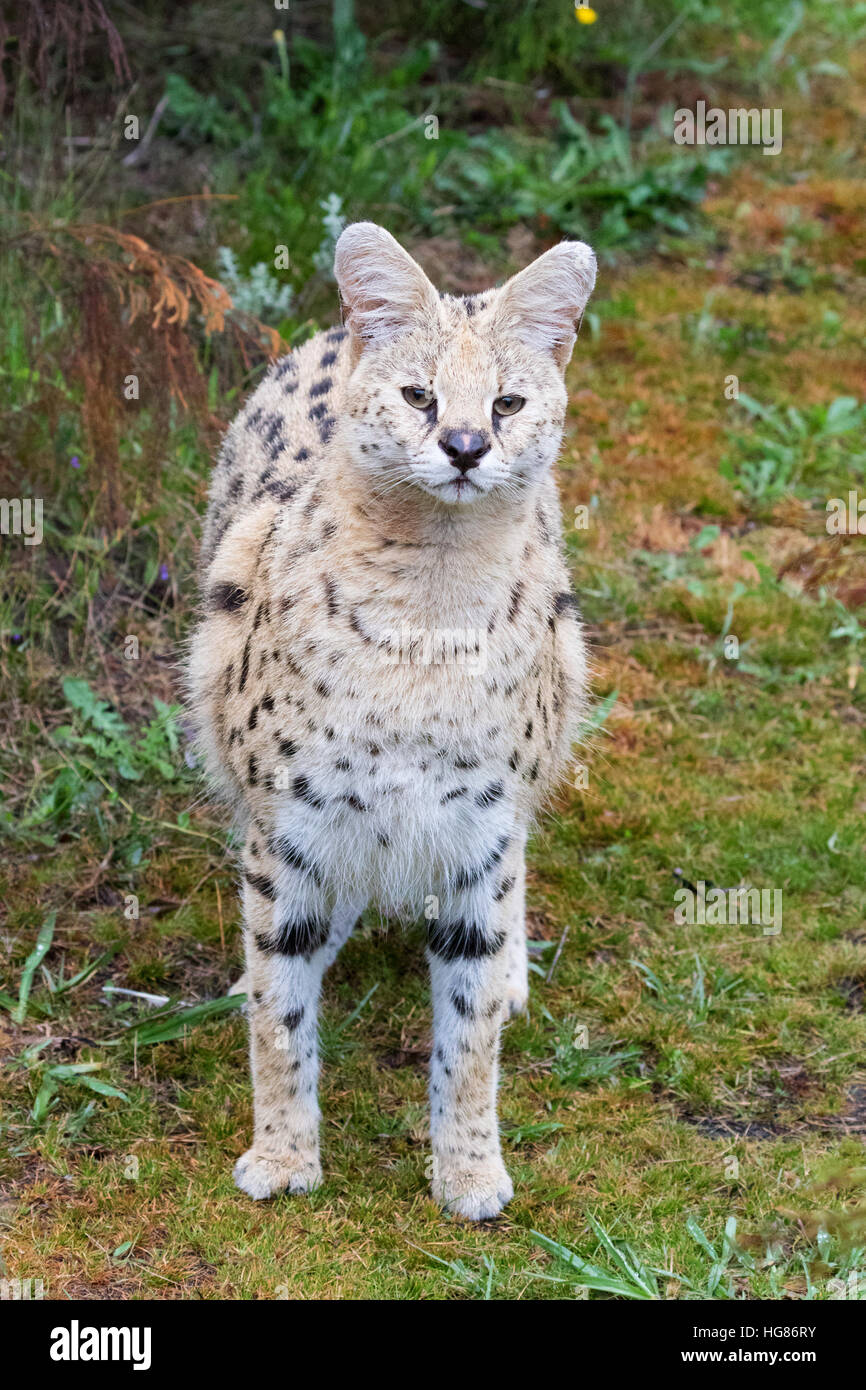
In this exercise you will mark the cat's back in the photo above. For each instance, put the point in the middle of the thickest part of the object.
(280, 437)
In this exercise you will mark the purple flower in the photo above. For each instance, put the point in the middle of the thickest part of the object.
(75, 461)
(16, 637)
(163, 573)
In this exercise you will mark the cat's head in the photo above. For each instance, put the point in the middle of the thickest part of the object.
(462, 398)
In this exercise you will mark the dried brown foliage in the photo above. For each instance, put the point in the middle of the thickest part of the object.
(148, 280)
(41, 38)
(138, 311)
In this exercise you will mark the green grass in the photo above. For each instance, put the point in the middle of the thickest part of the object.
(684, 1107)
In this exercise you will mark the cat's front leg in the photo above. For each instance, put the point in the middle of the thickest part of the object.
(467, 950)
(287, 926)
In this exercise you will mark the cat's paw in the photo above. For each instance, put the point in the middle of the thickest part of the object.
(516, 999)
(261, 1176)
(478, 1194)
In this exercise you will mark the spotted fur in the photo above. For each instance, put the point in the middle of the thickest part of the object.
(368, 762)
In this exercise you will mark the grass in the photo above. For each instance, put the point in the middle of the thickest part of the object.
(684, 1107)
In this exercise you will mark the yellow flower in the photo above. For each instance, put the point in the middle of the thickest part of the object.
(585, 14)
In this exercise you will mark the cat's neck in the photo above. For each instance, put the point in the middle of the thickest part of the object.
(417, 559)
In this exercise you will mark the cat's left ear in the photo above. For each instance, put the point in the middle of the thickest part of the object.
(542, 305)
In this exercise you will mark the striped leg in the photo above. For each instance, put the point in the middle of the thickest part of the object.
(291, 937)
(467, 950)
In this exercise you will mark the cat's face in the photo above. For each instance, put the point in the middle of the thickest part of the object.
(461, 398)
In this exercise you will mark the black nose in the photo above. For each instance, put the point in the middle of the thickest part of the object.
(464, 448)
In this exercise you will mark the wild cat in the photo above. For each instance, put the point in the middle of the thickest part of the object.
(389, 672)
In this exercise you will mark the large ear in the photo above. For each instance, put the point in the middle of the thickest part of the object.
(383, 290)
(543, 304)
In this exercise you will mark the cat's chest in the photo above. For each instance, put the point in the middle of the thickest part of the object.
(397, 819)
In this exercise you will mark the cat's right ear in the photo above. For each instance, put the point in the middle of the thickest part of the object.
(384, 292)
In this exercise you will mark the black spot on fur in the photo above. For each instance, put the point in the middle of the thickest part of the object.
(467, 878)
(463, 940)
(262, 884)
(564, 602)
(516, 596)
(453, 795)
(292, 1019)
(504, 889)
(284, 849)
(463, 1007)
(227, 598)
(288, 748)
(245, 665)
(253, 769)
(321, 388)
(296, 938)
(490, 794)
(301, 789)
(328, 360)
(283, 492)
(272, 435)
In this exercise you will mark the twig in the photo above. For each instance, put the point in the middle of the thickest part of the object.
(549, 976)
(136, 155)
(157, 1000)
(181, 198)
(220, 915)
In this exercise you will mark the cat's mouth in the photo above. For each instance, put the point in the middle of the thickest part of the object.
(458, 489)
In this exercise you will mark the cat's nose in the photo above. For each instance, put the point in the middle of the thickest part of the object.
(465, 448)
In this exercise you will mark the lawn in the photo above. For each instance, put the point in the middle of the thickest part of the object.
(684, 1107)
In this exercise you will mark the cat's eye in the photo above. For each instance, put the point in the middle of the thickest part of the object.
(508, 405)
(418, 396)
